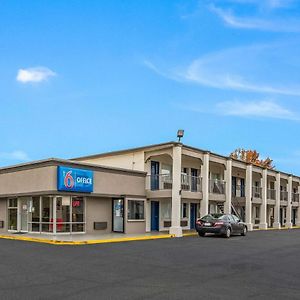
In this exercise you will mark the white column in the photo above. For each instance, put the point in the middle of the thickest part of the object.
(263, 208)
(289, 205)
(54, 214)
(248, 206)
(205, 186)
(148, 215)
(276, 223)
(19, 215)
(176, 192)
(228, 186)
(298, 210)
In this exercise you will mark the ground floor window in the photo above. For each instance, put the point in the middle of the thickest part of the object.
(135, 210)
(47, 214)
(12, 213)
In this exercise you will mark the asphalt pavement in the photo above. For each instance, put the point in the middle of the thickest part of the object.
(262, 265)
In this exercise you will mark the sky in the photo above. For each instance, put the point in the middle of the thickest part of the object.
(85, 77)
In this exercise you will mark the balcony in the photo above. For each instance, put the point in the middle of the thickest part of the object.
(283, 195)
(217, 186)
(164, 182)
(159, 182)
(238, 191)
(271, 194)
(190, 183)
(256, 192)
(295, 197)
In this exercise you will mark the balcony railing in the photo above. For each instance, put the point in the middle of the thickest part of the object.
(295, 197)
(164, 182)
(238, 190)
(283, 195)
(217, 186)
(190, 183)
(256, 192)
(159, 182)
(272, 194)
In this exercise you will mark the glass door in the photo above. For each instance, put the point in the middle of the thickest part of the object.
(118, 215)
(24, 208)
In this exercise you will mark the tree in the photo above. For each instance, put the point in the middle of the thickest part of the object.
(252, 157)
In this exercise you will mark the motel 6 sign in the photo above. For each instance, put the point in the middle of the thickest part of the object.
(74, 180)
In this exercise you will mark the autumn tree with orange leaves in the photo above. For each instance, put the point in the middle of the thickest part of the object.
(252, 157)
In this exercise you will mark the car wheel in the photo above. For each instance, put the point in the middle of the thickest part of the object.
(244, 232)
(227, 233)
(201, 233)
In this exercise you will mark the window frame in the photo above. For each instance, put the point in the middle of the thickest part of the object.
(129, 219)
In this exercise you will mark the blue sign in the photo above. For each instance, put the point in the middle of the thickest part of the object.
(74, 180)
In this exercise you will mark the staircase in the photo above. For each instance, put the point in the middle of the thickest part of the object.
(233, 210)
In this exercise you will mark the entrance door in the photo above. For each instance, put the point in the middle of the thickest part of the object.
(294, 216)
(154, 216)
(154, 175)
(24, 207)
(233, 186)
(118, 215)
(281, 216)
(193, 215)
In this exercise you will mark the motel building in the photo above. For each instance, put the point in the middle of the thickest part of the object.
(157, 188)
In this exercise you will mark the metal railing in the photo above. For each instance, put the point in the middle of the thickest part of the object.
(284, 195)
(159, 182)
(165, 182)
(271, 194)
(217, 186)
(190, 183)
(256, 191)
(295, 197)
(238, 190)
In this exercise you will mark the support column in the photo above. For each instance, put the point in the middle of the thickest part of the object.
(148, 215)
(298, 210)
(248, 207)
(289, 223)
(276, 223)
(263, 208)
(205, 186)
(176, 192)
(228, 187)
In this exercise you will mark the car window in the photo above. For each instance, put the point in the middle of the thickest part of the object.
(236, 219)
(211, 217)
(230, 218)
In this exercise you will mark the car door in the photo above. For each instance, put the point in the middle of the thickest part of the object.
(234, 224)
(237, 224)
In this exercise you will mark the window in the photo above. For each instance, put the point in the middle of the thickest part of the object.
(235, 218)
(135, 210)
(12, 213)
(184, 210)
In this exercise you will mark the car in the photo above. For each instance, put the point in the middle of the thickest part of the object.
(221, 224)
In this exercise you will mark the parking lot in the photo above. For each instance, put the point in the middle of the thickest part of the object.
(262, 265)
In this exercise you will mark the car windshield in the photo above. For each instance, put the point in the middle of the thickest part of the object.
(211, 217)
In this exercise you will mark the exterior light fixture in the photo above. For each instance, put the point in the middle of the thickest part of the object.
(180, 134)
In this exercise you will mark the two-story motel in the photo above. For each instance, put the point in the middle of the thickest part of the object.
(163, 187)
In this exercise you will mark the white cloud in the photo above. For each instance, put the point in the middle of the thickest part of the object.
(252, 69)
(17, 155)
(266, 24)
(263, 108)
(36, 74)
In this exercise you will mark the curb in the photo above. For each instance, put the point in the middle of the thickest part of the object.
(87, 242)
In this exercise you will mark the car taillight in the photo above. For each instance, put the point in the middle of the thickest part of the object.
(218, 224)
(198, 222)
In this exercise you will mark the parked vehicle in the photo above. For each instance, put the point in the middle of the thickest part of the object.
(222, 224)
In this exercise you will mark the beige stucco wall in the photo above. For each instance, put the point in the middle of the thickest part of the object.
(43, 179)
(28, 181)
(131, 161)
(98, 210)
(3, 214)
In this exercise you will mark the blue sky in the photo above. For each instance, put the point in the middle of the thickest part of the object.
(92, 76)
